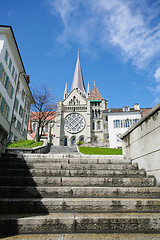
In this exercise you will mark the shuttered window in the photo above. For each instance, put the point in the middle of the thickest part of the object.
(10, 64)
(2, 104)
(1, 70)
(7, 82)
(6, 56)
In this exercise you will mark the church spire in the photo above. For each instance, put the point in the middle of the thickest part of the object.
(78, 81)
(88, 90)
(65, 92)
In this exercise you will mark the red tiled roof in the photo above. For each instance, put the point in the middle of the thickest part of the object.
(144, 111)
(35, 115)
(95, 94)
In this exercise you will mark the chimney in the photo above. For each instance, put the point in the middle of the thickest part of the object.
(136, 106)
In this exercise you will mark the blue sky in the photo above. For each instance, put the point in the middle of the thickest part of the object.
(119, 44)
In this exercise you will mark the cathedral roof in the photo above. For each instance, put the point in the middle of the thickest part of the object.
(78, 81)
(95, 94)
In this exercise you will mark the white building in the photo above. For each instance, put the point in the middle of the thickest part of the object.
(14, 89)
(117, 121)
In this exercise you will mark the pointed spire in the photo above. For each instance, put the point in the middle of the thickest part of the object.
(95, 94)
(88, 90)
(78, 81)
(65, 92)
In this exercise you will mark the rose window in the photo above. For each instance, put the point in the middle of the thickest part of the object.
(74, 123)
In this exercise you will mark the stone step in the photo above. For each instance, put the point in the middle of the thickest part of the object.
(81, 223)
(86, 236)
(66, 160)
(71, 173)
(62, 149)
(79, 192)
(77, 181)
(78, 205)
(21, 165)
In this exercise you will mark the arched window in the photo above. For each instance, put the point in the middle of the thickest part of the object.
(73, 141)
(81, 139)
(93, 125)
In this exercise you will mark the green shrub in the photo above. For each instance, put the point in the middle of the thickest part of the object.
(79, 143)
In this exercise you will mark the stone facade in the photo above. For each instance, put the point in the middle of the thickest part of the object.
(79, 116)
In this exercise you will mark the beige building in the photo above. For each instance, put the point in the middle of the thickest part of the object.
(79, 115)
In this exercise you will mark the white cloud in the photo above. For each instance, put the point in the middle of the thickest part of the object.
(129, 25)
(157, 75)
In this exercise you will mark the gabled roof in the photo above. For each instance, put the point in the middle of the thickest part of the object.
(95, 94)
(78, 81)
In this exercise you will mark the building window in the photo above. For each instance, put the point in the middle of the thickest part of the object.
(7, 82)
(95, 113)
(15, 77)
(47, 128)
(116, 123)
(34, 127)
(6, 56)
(93, 126)
(98, 125)
(2, 104)
(21, 111)
(1, 70)
(23, 94)
(16, 104)
(73, 141)
(10, 64)
(13, 70)
(8, 109)
(18, 125)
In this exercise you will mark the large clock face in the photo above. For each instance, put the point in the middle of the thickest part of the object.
(74, 122)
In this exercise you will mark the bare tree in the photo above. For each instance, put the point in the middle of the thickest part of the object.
(43, 109)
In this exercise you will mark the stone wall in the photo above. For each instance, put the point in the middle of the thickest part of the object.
(141, 143)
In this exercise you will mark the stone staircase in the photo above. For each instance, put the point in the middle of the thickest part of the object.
(63, 149)
(73, 194)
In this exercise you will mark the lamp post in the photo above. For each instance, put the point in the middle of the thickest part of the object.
(12, 116)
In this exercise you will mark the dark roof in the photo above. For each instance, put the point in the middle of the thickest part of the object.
(143, 111)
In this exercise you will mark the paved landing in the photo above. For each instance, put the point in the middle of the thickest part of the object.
(85, 237)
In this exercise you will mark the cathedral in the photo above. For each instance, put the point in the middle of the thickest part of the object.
(79, 117)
